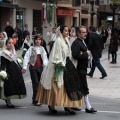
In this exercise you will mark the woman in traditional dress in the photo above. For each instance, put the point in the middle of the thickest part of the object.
(52, 89)
(26, 45)
(73, 35)
(13, 87)
(36, 57)
(3, 39)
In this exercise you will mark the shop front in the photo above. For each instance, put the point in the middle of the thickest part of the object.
(65, 16)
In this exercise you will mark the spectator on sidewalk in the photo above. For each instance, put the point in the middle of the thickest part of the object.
(104, 34)
(96, 46)
(113, 46)
(19, 33)
(25, 32)
(9, 30)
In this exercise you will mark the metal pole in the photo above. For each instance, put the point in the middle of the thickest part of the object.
(92, 15)
(113, 19)
(92, 4)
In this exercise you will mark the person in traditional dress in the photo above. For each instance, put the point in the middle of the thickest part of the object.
(3, 39)
(81, 53)
(26, 45)
(52, 89)
(12, 87)
(73, 35)
(52, 37)
(36, 57)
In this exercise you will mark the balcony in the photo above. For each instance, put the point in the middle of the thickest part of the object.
(64, 3)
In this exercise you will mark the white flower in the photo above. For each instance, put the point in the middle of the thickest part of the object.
(3, 74)
(24, 49)
(59, 63)
(19, 60)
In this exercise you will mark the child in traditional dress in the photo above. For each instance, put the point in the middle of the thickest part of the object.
(36, 56)
(13, 86)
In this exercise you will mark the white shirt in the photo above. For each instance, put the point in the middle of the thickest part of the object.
(52, 36)
(38, 51)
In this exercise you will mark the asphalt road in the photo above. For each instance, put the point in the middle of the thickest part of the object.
(108, 109)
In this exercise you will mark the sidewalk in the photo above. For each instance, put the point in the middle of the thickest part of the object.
(108, 87)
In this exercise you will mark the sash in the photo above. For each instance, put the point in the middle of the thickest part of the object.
(11, 55)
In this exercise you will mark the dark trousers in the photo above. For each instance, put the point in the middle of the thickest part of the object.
(83, 80)
(35, 74)
(96, 63)
(114, 56)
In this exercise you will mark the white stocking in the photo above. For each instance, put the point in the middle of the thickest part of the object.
(87, 103)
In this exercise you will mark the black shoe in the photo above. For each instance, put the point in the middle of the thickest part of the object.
(52, 110)
(90, 75)
(76, 109)
(103, 76)
(92, 110)
(114, 62)
(10, 106)
(70, 111)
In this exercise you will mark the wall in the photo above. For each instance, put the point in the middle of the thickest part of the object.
(29, 5)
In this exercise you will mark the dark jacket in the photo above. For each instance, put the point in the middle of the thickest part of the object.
(95, 44)
(77, 47)
(9, 30)
(113, 46)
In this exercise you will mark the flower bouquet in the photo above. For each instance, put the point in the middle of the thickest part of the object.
(3, 75)
(59, 68)
(24, 52)
(19, 60)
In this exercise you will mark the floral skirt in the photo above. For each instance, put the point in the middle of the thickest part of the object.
(56, 97)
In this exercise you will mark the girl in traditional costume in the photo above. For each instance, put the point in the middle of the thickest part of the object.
(12, 86)
(26, 45)
(36, 56)
(54, 88)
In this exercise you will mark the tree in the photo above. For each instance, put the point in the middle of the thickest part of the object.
(114, 2)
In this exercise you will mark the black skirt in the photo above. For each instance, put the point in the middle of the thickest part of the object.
(72, 83)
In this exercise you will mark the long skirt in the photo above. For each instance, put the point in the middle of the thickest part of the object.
(56, 97)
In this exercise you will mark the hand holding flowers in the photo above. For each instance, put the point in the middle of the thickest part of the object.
(59, 68)
(3, 75)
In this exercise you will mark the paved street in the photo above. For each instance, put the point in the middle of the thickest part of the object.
(104, 96)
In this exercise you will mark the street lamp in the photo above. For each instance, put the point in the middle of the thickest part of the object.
(113, 7)
(92, 4)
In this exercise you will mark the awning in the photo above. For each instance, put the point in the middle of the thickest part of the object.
(8, 5)
(65, 12)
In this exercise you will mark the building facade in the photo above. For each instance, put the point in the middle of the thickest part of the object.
(68, 12)
(106, 14)
(75, 12)
(21, 12)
